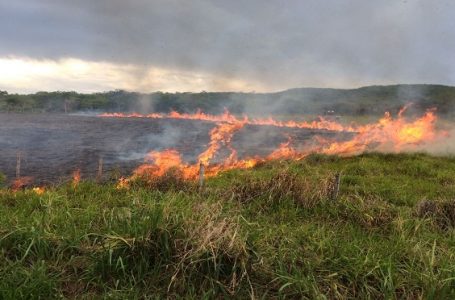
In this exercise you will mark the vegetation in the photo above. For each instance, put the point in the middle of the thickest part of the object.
(269, 232)
(373, 100)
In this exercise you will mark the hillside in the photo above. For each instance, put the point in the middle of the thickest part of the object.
(372, 100)
(269, 232)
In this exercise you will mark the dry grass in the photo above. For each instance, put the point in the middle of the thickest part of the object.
(284, 184)
(370, 213)
(212, 244)
(442, 213)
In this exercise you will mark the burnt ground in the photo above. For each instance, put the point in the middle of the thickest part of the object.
(53, 146)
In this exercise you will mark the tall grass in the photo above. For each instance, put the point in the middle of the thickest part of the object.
(270, 232)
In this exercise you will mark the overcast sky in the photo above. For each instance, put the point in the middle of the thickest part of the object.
(250, 45)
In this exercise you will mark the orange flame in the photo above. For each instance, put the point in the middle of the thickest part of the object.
(387, 134)
(227, 117)
(123, 184)
(221, 135)
(76, 177)
(21, 182)
(284, 151)
(39, 190)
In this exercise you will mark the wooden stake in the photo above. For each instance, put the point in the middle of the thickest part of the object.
(100, 168)
(201, 175)
(18, 164)
(336, 186)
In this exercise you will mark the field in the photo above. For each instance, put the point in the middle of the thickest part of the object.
(273, 231)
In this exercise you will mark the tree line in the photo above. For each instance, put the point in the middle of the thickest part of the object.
(371, 100)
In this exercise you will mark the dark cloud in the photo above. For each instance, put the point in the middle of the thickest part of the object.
(280, 43)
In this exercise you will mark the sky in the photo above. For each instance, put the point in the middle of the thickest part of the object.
(219, 45)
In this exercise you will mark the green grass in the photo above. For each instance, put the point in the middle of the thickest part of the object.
(269, 232)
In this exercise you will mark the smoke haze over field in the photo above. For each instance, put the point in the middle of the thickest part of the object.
(173, 45)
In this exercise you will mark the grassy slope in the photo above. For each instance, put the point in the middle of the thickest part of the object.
(267, 232)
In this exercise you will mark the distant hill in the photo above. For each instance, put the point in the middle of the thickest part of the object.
(370, 100)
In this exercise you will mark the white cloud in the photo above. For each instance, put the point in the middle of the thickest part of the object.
(26, 75)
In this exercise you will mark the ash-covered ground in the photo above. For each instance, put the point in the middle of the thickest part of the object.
(53, 146)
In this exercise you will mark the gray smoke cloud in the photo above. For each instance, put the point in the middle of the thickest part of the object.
(280, 44)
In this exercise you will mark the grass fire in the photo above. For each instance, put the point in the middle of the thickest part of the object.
(227, 149)
(209, 212)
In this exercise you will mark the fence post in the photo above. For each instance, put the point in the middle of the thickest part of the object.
(100, 169)
(336, 186)
(201, 175)
(18, 164)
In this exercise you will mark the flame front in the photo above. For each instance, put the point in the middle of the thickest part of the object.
(158, 163)
(227, 117)
(387, 134)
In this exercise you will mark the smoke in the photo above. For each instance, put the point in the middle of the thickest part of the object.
(145, 104)
(167, 136)
(444, 146)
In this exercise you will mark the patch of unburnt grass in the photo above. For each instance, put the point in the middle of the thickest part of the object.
(285, 184)
(202, 250)
(440, 213)
(370, 213)
(214, 244)
(270, 232)
(28, 281)
(317, 159)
